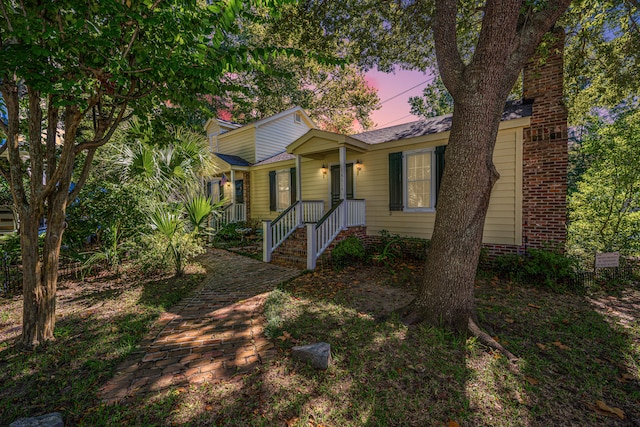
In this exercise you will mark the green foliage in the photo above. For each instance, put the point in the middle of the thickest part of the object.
(10, 247)
(199, 208)
(546, 268)
(601, 56)
(348, 251)
(174, 241)
(229, 232)
(604, 209)
(435, 100)
(333, 91)
(104, 206)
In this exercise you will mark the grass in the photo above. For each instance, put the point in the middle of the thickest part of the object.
(578, 355)
(99, 324)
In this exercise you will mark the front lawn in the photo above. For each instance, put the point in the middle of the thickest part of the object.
(579, 358)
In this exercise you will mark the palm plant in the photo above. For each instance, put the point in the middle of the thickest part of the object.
(169, 225)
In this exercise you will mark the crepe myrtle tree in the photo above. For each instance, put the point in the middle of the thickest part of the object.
(70, 73)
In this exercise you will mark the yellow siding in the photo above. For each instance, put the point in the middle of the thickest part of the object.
(504, 217)
(240, 143)
(501, 226)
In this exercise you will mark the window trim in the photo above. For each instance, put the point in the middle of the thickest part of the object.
(405, 172)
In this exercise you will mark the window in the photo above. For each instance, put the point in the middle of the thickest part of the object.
(297, 118)
(418, 182)
(282, 189)
(414, 179)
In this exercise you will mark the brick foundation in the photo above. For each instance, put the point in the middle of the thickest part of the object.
(293, 251)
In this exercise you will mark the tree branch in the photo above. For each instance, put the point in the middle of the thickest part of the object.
(73, 116)
(450, 63)
(6, 17)
(35, 143)
(9, 90)
(52, 131)
(101, 140)
(532, 32)
(86, 167)
(3, 127)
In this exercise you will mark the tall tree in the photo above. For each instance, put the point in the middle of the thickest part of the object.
(605, 207)
(331, 88)
(602, 55)
(480, 49)
(67, 61)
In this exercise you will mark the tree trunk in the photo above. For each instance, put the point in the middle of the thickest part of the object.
(40, 278)
(38, 313)
(446, 295)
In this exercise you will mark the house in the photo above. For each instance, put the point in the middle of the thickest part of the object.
(311, 187)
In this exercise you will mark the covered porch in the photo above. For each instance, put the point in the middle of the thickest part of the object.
(231, 187)
(326, 167)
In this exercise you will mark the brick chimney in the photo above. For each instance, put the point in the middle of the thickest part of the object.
(545, 156)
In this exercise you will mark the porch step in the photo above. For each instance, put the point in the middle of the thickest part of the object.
(293, 251)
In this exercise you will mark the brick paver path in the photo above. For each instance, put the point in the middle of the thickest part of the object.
(214, 334)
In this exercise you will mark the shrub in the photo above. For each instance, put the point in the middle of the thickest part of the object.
(549, 269)
(228, 232)
(348, 251)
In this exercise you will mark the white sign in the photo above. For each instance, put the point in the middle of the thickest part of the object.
(607, 259)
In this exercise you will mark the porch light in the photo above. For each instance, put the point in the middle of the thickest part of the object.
(358, 166)
(323, 169)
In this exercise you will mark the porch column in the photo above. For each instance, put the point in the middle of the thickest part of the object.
(343, 186)
(233, 187)
(299, 188)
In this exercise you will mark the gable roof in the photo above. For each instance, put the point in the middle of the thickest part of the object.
(512, 110)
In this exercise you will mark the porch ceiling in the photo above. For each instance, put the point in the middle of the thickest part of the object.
(317, 143)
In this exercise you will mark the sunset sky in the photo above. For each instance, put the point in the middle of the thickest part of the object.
(396, 111)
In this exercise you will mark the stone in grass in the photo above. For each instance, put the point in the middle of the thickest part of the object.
(53, 419)
(318, 354)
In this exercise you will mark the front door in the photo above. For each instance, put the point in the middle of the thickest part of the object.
(335, 183)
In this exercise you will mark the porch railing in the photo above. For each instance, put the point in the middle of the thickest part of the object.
(356, 214)
(234, 212)
(275, 232)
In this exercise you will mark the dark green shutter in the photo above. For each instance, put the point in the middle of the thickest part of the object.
(293, 185)
(272, 191)
(396, 197)
(439, 167)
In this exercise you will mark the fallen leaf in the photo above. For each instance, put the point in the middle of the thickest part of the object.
(615, 411)
(452, 423)
(292, 422)
(533, 306)
(541, 346)
(208, 408)
(561, 346)
(531, 380)
(508, 320)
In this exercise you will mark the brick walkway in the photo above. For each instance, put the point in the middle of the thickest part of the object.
(214, 334)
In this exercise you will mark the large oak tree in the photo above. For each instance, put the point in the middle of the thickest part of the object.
(479, 48)
(67, 63)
